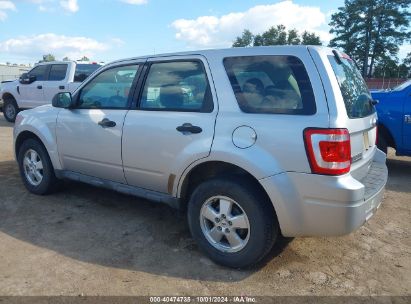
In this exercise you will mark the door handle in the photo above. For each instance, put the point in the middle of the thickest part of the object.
(189, 128)
(39, 87)
(107, 123)
(61, 87)
(407, 119)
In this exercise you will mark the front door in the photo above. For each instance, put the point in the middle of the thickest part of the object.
(32, 95)
(173, 125)
(89, 136)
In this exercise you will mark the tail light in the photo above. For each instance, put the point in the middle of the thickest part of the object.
(328, 150)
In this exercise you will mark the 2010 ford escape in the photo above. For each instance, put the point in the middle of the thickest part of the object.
(251, 142)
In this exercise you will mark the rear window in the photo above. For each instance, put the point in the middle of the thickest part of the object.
(357, 98)
(84, 70)
(57, 72)
(271, 84)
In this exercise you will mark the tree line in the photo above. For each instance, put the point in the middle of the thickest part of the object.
(370, 31)
(276, 35)
(51, 57)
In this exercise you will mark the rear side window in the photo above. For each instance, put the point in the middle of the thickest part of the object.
(271, 84)
(357, 98)
(57, 72)
(177, 86)
(83, 71)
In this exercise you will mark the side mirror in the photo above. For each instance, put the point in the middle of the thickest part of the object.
(63, 100)
(26, 78)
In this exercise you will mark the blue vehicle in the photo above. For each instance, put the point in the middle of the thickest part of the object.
(394, 118)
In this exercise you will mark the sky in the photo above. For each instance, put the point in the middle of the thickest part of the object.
(106, 30)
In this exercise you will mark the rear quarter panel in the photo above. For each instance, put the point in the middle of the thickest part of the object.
(279, 145)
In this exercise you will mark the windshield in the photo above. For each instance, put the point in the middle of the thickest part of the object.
(355, 92)
(402, 86)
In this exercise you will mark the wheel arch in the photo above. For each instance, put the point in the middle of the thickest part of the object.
(47, 140)
(213, 169)
(22, 137)
(384, 131)
(8, 95)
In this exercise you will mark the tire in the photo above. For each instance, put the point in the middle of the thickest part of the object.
(10, 109)
(256, 241)
(382, 143)
(35, 151)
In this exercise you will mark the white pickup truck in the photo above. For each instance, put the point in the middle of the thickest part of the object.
(38, 86)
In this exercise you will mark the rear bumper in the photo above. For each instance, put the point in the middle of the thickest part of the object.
(318, 205)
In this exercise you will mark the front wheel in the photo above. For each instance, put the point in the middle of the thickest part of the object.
(10, 109)
(232, 222)
(36, 168)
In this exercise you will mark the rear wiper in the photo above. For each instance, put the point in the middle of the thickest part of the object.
(337, 57)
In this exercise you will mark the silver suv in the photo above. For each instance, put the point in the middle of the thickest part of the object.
(250, 142)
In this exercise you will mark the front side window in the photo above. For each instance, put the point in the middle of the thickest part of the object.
(39, 72)
(271, 84)
(58, 72)
(357, 98)
(109, 89)
(177, 86)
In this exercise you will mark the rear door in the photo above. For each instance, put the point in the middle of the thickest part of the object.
(55, 82)
(173, 123)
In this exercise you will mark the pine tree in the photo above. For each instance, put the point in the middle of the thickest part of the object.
(370, 30)
(245, 40)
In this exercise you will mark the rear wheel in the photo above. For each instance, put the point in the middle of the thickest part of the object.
(36, 168)
(232, 222)
(10, 109)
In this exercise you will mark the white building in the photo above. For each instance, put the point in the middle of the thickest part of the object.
(12, 71)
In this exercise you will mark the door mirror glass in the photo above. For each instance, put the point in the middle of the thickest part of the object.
(62, 100)
(26, 78)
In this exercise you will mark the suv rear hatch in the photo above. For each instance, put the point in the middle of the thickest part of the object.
(361, 118)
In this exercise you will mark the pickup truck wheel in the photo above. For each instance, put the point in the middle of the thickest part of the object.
(232, 222)
(10, 109)
(36, 168)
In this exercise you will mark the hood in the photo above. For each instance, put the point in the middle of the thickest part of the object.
(9, 84)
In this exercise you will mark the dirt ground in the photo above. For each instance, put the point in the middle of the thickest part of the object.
(89, 241)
